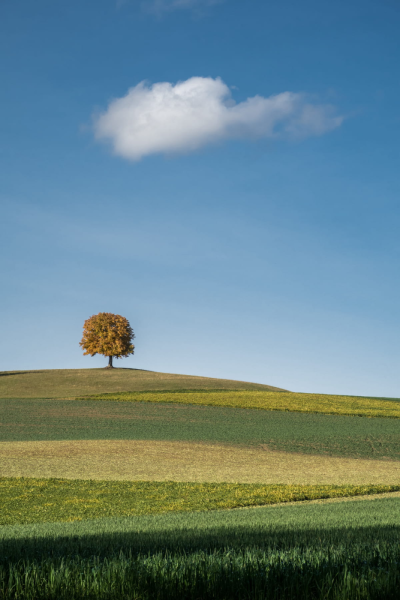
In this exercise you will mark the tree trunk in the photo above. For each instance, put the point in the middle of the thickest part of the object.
(110, 365)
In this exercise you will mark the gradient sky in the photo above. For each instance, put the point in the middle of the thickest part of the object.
(236, 248)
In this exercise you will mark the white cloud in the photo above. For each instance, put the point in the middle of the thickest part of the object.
(162, 6)
(166, 118)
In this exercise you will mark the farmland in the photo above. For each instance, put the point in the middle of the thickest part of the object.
(346, 550)
(268, 400)
(45, 500)
(61, 383)
(307, 433)
(134, 484)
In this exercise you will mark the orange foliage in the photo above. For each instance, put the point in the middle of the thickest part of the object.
(109, 335)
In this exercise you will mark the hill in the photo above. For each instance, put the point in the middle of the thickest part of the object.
(92, 454)
(62, 383)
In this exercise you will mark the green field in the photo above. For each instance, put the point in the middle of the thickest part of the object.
(346, 550)
(195, 537)
(304, 525)
(357, 437)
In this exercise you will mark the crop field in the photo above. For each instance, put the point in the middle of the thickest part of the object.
(139, 485)
(317, 434)
(346, 550)
(154, 460)
(44, 500)
(269, 400)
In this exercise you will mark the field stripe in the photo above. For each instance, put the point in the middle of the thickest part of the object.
(43, 500)
(143, 460)
(266, 400)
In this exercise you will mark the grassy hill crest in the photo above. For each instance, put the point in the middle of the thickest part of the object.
(62, 383)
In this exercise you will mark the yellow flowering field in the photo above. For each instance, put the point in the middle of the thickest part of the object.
(265, 400)
(26, 500)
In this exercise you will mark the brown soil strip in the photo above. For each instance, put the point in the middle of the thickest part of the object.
(183, 461)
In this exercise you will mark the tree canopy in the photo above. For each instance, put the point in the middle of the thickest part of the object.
(107, 334)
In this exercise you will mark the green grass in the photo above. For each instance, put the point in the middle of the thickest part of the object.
(347, 551)
(267, 400)
(357, 437)
(42, 500)
(334, 574)
(368, 522)
(62, 383)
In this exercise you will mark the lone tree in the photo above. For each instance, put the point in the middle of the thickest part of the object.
(109, 335)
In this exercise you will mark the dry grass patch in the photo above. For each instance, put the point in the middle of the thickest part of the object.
(145, 460)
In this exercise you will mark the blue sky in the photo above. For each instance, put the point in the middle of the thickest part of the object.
(243, 216)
